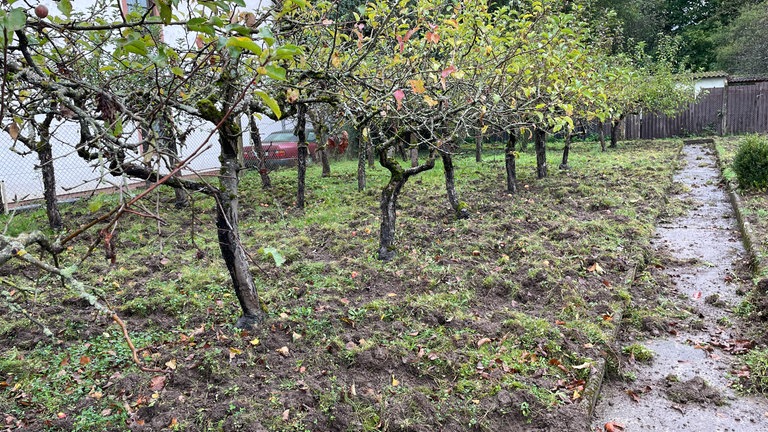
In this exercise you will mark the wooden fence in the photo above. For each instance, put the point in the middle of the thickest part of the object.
(736, 109)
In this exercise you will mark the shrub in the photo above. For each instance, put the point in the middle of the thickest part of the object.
(751, 162)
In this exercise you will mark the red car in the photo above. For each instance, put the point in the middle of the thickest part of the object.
(280, 149)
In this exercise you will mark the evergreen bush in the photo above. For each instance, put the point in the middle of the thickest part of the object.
(751, 162)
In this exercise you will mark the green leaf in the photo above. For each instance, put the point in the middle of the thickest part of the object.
(287, 51)
(137, 47)
(65, 6)
(276, 256)
(177, 71)
(276, 72)
(13, 21)
(244, 43)
(265, 33)
(165, 12)
(271, 103)
(200, 25)
(118, 129)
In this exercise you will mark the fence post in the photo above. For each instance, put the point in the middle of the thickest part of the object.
(724, 110)
(3, 202)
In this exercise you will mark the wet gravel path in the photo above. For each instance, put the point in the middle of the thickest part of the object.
(686, 386)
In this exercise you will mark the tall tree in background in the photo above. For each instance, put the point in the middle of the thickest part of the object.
(742, 47)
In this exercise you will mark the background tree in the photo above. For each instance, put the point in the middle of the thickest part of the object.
(741, 46)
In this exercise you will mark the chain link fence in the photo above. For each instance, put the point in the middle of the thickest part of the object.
(21, 181)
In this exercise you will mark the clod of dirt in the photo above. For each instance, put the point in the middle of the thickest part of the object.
(695, 390)
(652, 325)
(714, 300)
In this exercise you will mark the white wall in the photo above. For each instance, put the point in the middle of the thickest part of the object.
(23, 181)
(705, 83)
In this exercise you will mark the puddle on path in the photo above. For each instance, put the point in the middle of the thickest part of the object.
(669, 394)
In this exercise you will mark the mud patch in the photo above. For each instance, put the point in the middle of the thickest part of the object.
(694, 390)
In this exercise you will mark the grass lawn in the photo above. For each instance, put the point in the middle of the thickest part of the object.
(755, 203)
(490, 323)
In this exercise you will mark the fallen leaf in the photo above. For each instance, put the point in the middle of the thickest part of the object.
(395, 382)
(234, 352)
(171, 364)
(157, 383)
(61, 415)
(483, 341)
(255, 341)
(595, 268)
(583, 365)
(613, 427)
(174, 422)
(283, 351)
(633, 396)
(286, 415)
(296, 336)
(697, 295)
(84, 360)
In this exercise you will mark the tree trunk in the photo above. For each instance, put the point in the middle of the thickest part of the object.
(261, 161)
(170, 139)
(479, 147)
(615, 133)
(45, 155)
(228, 232)
(371, 153)
(388, 208)
(510, 160)
(601, 135)
(227, 223)
(361, 156)
(566, 151)
(414, 151)
(325, 162)
(388, 205)
(301, 133)
(459, 207)
(540, 137)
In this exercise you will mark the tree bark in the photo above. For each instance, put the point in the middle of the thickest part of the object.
(361, 156)
(321, 132)
(414, 151)
(228, 232)
(301, 127)
(601, 135)
(170, 139)
(540, 137)
(510, 160)
(566, 151)
(388, 204)
(45, 155)
(459, 207)
(479, 147)
(261, 161)
(227, 223)
(615, 132)
(371, 152)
